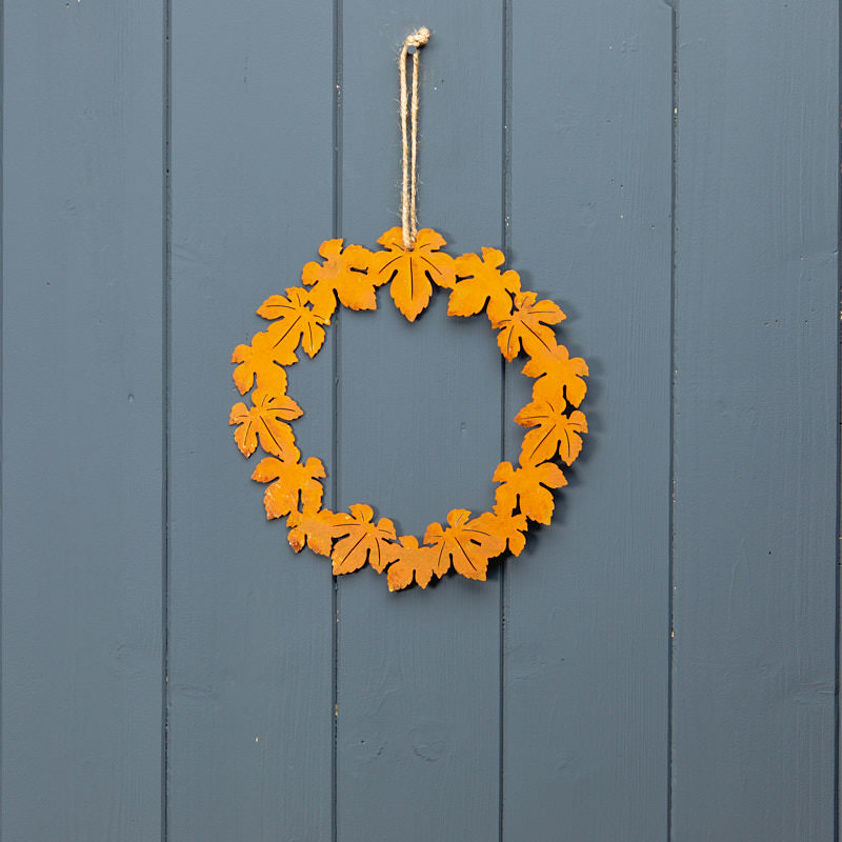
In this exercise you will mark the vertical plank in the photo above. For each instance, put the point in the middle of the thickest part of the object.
(250, 623)
(586, 613)
(755, 421)
(419, 434)
(82, 431)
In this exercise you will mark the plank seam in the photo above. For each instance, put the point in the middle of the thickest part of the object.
(506, 206)
(838, 581)
(334, 598)
(2, 356)
(672, 374)
(165, 405)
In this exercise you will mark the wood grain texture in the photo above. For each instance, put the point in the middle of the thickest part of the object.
(250, 622)
(419, 671)
(755, 422)
(82, 431)
(586, 614)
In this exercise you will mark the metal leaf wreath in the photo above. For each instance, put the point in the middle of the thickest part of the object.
(413, 264)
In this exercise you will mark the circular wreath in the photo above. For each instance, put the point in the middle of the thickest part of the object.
(351, 275)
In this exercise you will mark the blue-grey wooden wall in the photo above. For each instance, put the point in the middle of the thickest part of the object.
(661, 664)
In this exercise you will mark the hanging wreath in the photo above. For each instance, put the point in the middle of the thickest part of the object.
(413, 264)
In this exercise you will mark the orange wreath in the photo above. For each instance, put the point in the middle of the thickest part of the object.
(351, 276)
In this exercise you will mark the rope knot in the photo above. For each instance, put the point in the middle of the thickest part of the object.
(418, 38)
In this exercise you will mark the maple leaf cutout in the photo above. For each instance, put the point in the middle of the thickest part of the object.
(343, 273)
(466, 544)
(529, 487)
(316, 529)
(509, 526)
(558, 375)
(555, 433)
(363, 541)
(292, 481)
(265, 422)
(297, 323)
(259, 362)
(479, 280)
(527, 326)
(411, 270)
(408, 561)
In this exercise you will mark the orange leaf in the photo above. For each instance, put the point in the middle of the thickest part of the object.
(317, 529)
(480, 281)
(265, 421)
(411, 270)
(409, 561)
(343, 273)
(556, 433)
(298, 324)
(466, 544)
(260, 360)
(528, 485)
(363, 541)
(527, 326)
(558, 375)
(510, 527)
(291, 481)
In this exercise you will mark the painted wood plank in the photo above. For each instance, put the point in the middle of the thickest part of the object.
(586, 610)
(419, 434)
(82, 422)
(755, 421)
(250, 623)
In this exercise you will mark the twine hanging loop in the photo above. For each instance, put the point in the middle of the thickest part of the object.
(409, 145)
